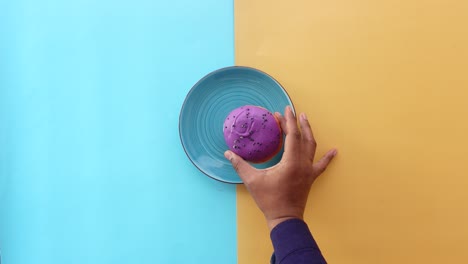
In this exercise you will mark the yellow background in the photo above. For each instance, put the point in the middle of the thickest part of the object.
(386, 82)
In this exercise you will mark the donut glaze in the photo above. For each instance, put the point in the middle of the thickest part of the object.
(253, 133)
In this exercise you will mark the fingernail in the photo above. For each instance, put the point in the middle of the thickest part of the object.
(228, 155)
(303, 116)
(292, 112)
(335, 152)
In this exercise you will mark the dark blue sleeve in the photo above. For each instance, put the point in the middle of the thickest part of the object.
(293, 244)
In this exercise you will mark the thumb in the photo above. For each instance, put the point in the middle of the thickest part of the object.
(242, 167)
(322, 164)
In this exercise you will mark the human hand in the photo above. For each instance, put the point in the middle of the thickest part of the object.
(281, 191)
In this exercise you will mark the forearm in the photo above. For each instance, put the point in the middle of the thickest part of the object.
(294, 244)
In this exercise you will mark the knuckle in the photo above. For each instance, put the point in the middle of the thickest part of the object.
(312, 142)
(235, 164)
(297, 134)
(320, 169)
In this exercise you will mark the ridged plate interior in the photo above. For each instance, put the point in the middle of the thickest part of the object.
(207, 105)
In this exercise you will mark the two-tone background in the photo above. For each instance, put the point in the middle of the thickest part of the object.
(91, 166)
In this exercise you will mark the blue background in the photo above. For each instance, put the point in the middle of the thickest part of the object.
(91, 165)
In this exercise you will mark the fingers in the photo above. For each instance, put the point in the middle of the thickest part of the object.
(307, 137)
(293, 135)
(322, 164)
(282, 121)
(242, 167)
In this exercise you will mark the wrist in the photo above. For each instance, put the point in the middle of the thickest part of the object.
(272, 223)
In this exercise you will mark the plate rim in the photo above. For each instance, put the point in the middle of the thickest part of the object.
(196, 85)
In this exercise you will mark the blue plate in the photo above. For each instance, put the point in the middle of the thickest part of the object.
(207, 105)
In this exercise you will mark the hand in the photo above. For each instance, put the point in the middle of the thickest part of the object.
(281, 191)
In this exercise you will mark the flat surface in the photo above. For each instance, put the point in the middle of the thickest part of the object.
(91, 165)
(208, 104)
(386, 83)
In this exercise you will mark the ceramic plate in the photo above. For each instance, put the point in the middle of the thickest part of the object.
(207, 105)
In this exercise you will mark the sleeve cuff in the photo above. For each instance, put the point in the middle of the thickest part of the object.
(292, 236)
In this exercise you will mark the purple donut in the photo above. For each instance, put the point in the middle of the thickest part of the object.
(253, 133)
